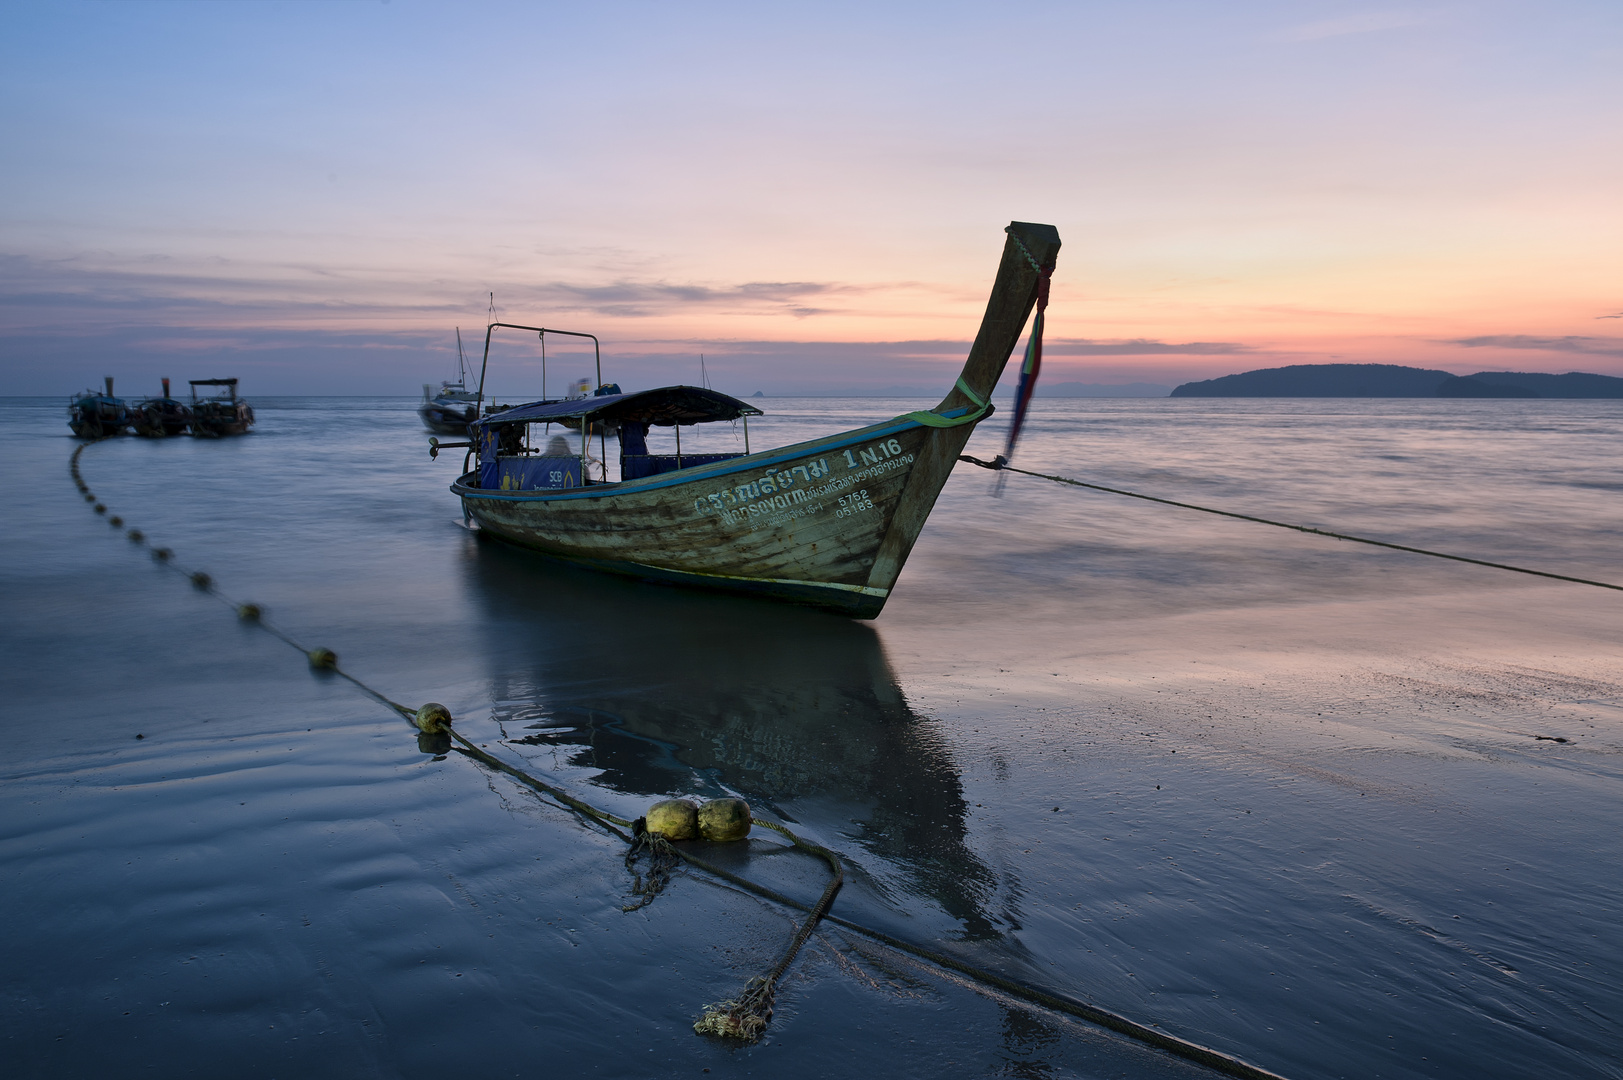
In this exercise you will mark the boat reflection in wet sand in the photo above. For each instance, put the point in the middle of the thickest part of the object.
(223, 414)
(793, 710)
(826, 523)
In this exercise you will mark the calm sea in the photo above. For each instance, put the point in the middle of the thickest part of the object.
(1337, 811)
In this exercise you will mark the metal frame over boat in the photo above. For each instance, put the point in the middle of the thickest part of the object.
(224, 414)
(828, 523)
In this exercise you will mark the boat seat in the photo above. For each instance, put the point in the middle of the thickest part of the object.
(637, 466)
(531, 473)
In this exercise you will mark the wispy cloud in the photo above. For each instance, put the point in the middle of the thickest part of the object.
(39, 292)
(1591, 346)
(1363, 22)
(1143, 347)
(631, 299)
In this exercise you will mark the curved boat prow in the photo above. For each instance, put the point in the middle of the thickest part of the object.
(828, 523)
(1028, 249)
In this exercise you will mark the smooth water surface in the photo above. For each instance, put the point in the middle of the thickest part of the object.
(1338, 811)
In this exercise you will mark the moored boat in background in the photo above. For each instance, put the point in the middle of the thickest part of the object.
(222, 414)
(160, 417)
(827, 523)
(96, 416)
(454, 406)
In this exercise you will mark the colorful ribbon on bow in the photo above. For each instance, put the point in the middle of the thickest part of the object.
(1034, 356)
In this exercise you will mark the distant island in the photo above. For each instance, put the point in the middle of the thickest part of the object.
(1394, 380)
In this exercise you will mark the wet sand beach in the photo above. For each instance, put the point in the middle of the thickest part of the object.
(1335, 811)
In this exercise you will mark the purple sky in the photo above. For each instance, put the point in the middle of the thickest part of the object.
(312, 196)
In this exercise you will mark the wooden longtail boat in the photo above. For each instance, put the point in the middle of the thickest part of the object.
(826, 523)
(223, 414)
(96, 416)
(161, 417)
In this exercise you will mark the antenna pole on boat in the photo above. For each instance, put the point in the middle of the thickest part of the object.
(479, 406)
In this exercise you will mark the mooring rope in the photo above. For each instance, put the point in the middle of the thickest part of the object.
(1000, 464)
(746, 1016)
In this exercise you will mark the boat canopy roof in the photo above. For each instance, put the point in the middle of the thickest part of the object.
(212, 382)
(667, 406)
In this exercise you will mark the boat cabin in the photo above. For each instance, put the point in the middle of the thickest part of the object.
(222, 414)
(518, 452)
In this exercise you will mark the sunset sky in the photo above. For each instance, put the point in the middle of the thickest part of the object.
(311, 196)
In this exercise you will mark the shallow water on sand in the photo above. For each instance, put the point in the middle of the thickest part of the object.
(1334, 810)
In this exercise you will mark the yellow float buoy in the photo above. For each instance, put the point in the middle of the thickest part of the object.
(724, 819)
(202, 581)
(674, 819)
(249, 612)
(433, 719)
(323, 659)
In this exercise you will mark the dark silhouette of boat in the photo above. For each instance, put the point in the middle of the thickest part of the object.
(223, 414)
(454, 406)
(161, 417)
(826, 523)
(96, 416)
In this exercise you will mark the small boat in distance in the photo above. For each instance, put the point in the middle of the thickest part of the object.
(826, 523)
(222, 414)
(96, 416)
(160, 417)
(454, 407)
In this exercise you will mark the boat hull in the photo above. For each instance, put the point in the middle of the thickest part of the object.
(161, 418)
(98, 417)
(212, 420)
(826, 523)
(446, 419)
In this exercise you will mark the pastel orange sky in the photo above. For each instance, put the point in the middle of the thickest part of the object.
(313, 196)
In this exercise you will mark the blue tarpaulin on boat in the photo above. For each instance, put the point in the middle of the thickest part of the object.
(532, 473)
(666, 406)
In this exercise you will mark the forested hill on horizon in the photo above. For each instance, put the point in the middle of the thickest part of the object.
(1395, 380)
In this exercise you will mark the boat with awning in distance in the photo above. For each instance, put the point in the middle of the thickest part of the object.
(223, 414)
(827, 523)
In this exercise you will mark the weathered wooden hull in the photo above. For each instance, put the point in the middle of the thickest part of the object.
(827, 523)
(160, 419)
(447, 419)
(211, 421)
(97, 418)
